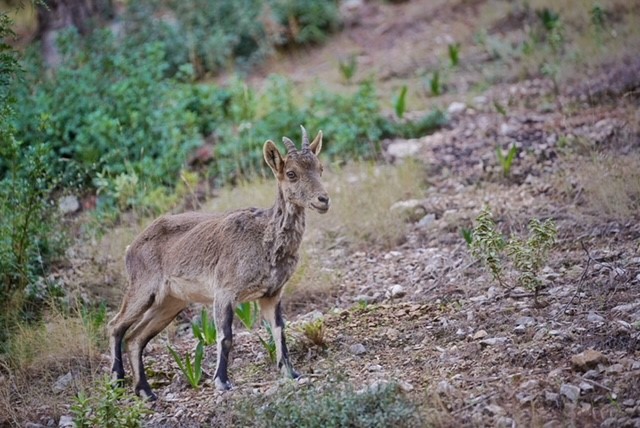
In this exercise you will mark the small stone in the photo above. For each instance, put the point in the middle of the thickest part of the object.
(411, 209)
(63, 382)
(629, 402)
(34, 425)
(595, 318)
(591, 374)
(374, 367)
(520, 329)
(480, 334)
(66, 421)
(405, 386)
(303, 380)
(357, 349)
(493, 410)
(588, 359)
(493, 341)
(586, 387)
(378, 385)
(615, 368)
(456, 108)
(68, 204)
(572, 392)
(552, 398)
(553, 424)
(445, 388)
(427, 220)
(526, 321)
(505, 422)
(404, 148)
(532, 383)
(398, 291)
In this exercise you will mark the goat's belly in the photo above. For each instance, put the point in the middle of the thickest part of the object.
(190, 290)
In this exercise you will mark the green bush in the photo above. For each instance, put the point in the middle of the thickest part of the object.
(108, 109)
(212, 36)
(109, 406)
(385, 406)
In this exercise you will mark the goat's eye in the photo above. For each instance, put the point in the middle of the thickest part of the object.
(291, 175)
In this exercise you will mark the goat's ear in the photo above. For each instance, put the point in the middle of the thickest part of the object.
(316, 145)
(273, 157)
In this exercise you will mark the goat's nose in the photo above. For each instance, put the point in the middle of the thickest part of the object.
(323, 199)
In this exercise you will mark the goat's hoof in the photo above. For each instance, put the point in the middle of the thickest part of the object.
(222, 386)
(146, 394)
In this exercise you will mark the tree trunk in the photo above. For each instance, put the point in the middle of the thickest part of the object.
(57, 15)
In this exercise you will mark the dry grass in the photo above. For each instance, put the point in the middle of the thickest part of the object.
(38, 355)
(611, 185)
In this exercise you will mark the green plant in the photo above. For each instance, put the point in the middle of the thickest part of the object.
(488, 244)
(348, 67)
(529, 256)
(94, 320)
(338, 406)
(467, 235)
(500, 108)
(192, 371)
(454, 54)
(110, 406)
(269, 344)
(205, 329)
(314, 331)
(304, 22)
(400, 102)
(247, 312)
(435, 85)
(506, 161)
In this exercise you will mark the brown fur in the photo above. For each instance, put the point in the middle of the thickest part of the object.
(219, 259)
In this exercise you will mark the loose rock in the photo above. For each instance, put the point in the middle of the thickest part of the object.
(572, 392)
(357, 349)
(588, 359)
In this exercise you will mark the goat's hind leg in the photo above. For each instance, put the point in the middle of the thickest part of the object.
(155, 319)
(223, 314)
(130, 313)
(272, 313)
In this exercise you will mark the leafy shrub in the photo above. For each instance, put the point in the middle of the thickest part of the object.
(29, 238)
(527, 256)
(108, 109)
(110, 406)
(211, 36)
(304, 21)
(384, 406)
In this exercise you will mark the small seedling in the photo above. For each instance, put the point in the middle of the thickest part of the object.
(248, 314)
(205, 331)
(550, 19)
(467, 235)
(487, 244)
(348, 68)
(400, 103)
(193, 372)
(454, 54)
(314, 331)
(506, 161)
(269, 344)
(435, 84)
(500, 108)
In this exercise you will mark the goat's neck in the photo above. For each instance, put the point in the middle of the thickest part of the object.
(285, 229)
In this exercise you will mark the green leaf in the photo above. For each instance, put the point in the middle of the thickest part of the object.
(400, 104)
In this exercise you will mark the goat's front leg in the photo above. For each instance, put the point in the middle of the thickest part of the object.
(223, 314)
(272, 313)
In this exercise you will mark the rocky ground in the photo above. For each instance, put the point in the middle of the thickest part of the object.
(427, 316)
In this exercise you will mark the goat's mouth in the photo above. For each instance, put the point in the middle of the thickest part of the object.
(322, 209)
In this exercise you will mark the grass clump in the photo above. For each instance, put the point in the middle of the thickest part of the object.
(339, 406)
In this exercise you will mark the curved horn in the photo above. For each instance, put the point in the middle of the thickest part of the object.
(289, 145)
(305, 138)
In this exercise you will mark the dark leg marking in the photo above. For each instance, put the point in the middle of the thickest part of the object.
(227, 342)
(285, 352)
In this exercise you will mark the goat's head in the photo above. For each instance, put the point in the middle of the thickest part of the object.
(298, 172)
